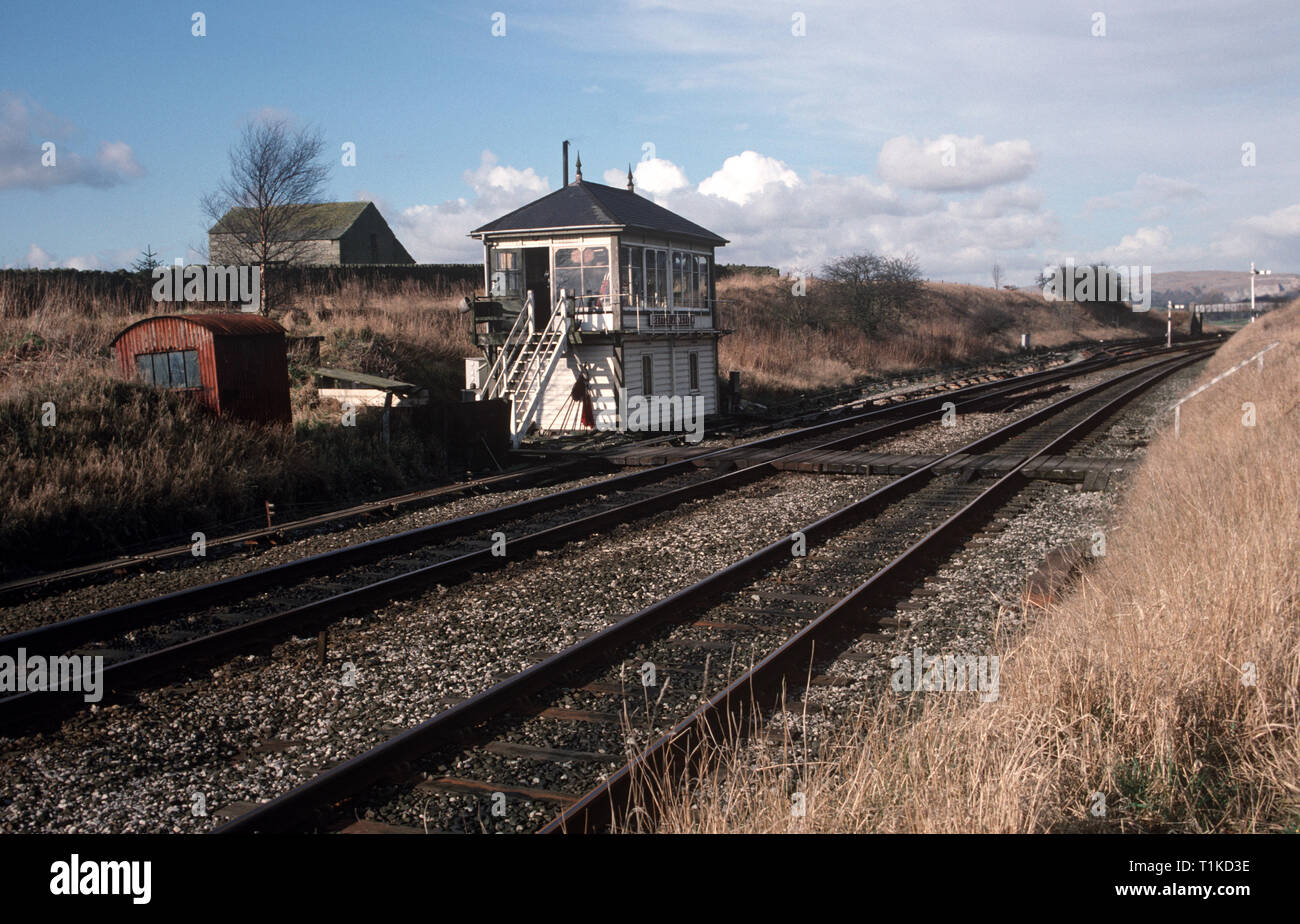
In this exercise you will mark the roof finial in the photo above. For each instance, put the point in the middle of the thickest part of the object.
(629, 178)
(578, 172)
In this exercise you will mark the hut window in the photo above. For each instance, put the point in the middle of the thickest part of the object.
(647, 374)
(507, 274)
(631, 268)
(690, 280)
(583, 272)
(656, 278)
(175, 369)
(693, 368)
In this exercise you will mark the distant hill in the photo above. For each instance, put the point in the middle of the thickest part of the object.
(1219, 286)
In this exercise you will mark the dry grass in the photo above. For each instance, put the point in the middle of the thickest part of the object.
(127, 466)
(1134, 687)
(786, 344)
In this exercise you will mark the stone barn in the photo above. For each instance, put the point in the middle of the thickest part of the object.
(232, 363)
(329, 234)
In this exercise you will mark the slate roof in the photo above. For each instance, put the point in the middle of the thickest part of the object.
(325, 221)
(593, 205)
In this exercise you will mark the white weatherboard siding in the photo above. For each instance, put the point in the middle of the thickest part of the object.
(671, 371)
(559, 411)
(671, 377)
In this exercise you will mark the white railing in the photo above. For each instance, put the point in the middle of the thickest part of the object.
(605, 312)
(532, 370)
(494, 383)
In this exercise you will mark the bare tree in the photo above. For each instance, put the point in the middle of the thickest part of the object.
(873, 290)
(997, 276)
(262, 212)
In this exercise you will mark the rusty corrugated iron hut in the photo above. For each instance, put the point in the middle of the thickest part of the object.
(234, 364)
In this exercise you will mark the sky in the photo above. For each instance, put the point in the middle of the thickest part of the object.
(1159, 134)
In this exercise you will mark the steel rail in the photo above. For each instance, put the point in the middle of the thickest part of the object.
(461, 720)
(36, 708)
(727, 714)
(81, 575)
(80, 630)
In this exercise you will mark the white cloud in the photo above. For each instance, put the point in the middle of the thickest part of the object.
(117, 157)
(652, 177)
(1283, 222)
(747, 174)
(491, 179)
(37, 257)
(952, 162)
(1144, 247)
(439, 233)
(772, 215)
(1153, 195)
(25, 127)
(804, 222)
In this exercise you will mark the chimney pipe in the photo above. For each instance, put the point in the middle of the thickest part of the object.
(566, 163)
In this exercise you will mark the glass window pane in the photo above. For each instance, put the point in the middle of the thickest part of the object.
(144, 366)
(192, 379)
(160, 376)
(570, 280)
(176, 364)
(566, 256)
(595, 256)
(595, 280)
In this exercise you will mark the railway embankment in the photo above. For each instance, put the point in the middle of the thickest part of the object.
(1158, 695)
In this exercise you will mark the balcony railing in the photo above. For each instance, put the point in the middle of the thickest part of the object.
(597, 313)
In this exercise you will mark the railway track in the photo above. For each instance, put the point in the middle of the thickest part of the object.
(571, 733)
(542, 473)
(162, 636)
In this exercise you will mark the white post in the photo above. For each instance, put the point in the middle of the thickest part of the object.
(1177, 409)
(1169, 327)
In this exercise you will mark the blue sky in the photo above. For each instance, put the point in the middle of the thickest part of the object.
(964, 133)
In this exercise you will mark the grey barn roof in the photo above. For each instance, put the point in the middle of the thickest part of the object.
(323, 221)
(593, 205)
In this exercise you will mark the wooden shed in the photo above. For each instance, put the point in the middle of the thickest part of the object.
(233, 363)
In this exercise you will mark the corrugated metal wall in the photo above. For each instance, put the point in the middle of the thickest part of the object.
(253, 377)
(161, 335)
(244, 375)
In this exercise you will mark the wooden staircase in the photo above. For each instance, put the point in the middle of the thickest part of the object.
(525, 363)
